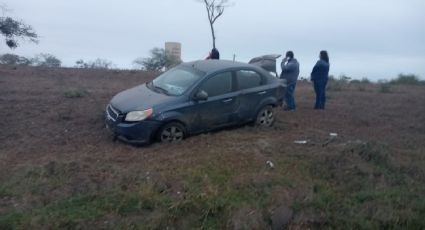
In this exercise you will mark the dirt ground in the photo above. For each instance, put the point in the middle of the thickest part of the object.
(60, 168)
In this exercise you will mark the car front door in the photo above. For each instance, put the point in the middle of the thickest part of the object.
(252, 90)
(222, 103)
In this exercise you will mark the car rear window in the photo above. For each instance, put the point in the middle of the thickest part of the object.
(248, 79)
(218, 84)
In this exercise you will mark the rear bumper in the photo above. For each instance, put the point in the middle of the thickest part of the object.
(133, 133)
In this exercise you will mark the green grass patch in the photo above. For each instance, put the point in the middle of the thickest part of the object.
(362, 188)
(13, 220)
(356, 186)
(4, 192)
(75, 93)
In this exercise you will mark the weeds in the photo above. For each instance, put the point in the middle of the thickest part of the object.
(361, 88)
(365, 81)
(351, 188)
(385, 88)
(337, 84)
(75, 93)
(406, 79)
(361, 188)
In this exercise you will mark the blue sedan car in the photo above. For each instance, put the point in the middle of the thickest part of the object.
(192, 98)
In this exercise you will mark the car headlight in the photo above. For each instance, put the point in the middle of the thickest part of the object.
(138, 115)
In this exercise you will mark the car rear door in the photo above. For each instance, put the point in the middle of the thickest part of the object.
(222, 103)
(253, 89)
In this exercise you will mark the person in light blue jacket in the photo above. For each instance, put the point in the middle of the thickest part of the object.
(290, 72)
(319, 77)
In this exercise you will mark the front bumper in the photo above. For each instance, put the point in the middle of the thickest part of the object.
(142, 132)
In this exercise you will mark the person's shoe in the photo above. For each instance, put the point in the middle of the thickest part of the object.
(289, 110)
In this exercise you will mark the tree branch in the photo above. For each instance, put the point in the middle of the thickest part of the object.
(215, 9)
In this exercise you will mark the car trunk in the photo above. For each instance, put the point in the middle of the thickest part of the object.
(267, 62)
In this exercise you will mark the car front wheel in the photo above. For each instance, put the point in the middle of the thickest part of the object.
(265, 117)
(171, 133)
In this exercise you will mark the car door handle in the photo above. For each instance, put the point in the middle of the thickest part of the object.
(228, 100)
(263, 92)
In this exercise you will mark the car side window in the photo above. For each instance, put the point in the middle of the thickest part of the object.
(218, 84)
(248, 79)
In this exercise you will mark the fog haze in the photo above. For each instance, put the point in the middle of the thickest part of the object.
(376, 39)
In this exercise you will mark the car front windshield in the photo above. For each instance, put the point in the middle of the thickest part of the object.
(176, 81)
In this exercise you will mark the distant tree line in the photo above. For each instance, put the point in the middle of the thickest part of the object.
(159, 60)
(49, 60)
(96, 64)
(43, 60)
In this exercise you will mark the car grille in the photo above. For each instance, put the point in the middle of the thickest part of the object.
(112, 113)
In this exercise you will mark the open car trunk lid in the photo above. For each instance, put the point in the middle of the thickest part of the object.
(267, 62)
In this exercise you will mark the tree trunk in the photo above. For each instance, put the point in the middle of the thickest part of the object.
(212, 33)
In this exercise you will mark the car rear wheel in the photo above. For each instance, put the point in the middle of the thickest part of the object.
(171, 133)
(265, 117)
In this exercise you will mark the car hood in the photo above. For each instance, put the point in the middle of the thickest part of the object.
(138, 98)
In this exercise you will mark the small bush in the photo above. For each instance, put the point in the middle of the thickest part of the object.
(337, 84)
(361, 84)
(96, 64)
(361, 88)
(385, 88)
(365, 80)
(406, 79)
(75, 93)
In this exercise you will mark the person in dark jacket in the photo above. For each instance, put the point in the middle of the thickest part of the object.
(290, 72)
(319, 77)
(214, 54)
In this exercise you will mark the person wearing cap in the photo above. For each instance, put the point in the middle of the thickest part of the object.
(290, 72)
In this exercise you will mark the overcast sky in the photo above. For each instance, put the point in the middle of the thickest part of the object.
(365, 38)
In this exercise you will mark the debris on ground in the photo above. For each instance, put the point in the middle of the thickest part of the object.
(270, 164)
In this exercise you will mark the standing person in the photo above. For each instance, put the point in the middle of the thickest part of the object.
(290, 72)
(319, 77)
(214, 54)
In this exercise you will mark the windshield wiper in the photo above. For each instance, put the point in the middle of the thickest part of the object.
(161, 89)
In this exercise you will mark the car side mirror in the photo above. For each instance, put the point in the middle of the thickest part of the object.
(201, 95)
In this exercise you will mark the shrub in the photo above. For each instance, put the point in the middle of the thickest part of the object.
(361, 88)
(365, 80)
(75, 93)
(13, 59)
(96, 64)
(46, 60)
(158, 61)
(406, 79)
(337, 84)
(385, 88)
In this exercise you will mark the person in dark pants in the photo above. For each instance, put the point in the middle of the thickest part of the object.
(290, 72)
(319, 77)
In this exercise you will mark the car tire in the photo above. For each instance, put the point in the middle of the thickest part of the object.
(171, 133)
(265, 117)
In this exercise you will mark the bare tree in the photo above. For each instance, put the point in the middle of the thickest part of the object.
(215, 8)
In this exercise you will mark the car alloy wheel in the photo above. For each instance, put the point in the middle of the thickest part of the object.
(265, 117)
(172, 133)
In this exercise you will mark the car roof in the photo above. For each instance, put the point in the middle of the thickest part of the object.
(210, 66)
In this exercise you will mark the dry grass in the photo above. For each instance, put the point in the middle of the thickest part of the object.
(59, 168)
